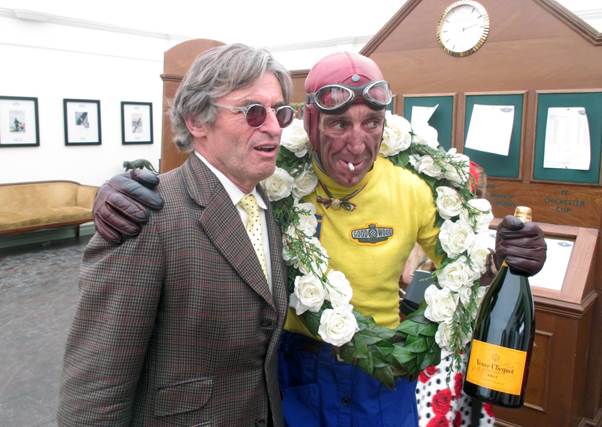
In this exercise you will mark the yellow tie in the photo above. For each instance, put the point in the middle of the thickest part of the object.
(254, 228)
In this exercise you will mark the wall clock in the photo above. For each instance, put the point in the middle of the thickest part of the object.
(463, 27)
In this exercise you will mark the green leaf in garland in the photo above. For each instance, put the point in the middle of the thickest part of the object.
(416, 344)
(401, 355)
(409, 327)
(428, 330)
(366, 364)
(312, 321)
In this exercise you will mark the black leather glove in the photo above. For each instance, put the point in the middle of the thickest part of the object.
(522, 245)
(120, 207)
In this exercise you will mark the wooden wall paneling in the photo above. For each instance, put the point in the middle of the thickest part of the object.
(526, 50)
(298, 77)
(176, 62)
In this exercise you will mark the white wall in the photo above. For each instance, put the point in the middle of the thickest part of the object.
(52, 62)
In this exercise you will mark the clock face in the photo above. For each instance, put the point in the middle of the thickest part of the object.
(463, 28)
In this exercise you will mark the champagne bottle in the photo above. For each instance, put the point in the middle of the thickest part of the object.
(503, 338)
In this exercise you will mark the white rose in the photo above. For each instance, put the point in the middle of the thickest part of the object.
(338, 325)
(479, 214)
(304, 183)
(455, 237)
(458, 172)
(426, 135)
(441, 304)
(479, 252)
(396, 135)
(449, 203)
(428, 166)
(464, 295)
(309, 294)
(457, 274)
(443, 335)
(295, 139)
(339, 289)
(279, 185)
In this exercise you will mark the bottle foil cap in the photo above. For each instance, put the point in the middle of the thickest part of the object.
(523, 213)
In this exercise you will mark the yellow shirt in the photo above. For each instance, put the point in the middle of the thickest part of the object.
(370, 244)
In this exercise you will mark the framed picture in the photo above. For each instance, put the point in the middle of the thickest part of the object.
(82, 121)
(19, 122)
(136, 122)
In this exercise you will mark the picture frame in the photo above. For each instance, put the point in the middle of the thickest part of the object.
(442, 119)
(19, 124)
(136, 122)
(82, 122)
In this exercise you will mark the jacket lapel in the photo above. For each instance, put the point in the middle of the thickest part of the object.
(221, 222)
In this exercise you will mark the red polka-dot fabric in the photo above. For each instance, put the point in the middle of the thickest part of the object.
(440, 399)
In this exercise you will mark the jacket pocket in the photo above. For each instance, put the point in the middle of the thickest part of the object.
(183, 397)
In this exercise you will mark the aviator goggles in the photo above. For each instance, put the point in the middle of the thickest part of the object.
(255, 114)
(336, 98)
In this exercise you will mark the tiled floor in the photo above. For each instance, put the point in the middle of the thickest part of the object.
(38, 295)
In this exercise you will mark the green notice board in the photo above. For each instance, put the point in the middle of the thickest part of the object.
(442, 118)
(494, 164)
(592, 102)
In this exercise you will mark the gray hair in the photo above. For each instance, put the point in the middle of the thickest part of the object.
(216, 73)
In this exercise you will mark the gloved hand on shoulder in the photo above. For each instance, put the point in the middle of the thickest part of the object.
(521, 244)
(120, 207)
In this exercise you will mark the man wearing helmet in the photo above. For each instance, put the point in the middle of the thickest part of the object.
(346, 99)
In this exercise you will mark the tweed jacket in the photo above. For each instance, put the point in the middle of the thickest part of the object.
(177, 327)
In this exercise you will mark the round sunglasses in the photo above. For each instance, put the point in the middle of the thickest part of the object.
(255, 114)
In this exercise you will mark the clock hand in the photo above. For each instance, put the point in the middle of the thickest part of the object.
(470, 26)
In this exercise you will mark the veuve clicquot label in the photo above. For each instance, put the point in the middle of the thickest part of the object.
(496, 367)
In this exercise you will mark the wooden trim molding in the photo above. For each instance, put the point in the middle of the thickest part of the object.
(298, 73)
(579, 25)
(171, 78)
(388, 28)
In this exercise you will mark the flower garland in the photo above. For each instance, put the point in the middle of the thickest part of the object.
(322, 296)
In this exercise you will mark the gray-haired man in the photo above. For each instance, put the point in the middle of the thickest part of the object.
(180, 326)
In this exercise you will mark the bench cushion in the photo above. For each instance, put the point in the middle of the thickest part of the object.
(43, 216)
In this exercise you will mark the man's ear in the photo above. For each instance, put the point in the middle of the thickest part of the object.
(196, 129)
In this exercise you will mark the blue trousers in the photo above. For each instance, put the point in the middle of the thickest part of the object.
(319, 391)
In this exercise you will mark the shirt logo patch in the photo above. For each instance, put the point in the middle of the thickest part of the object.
(372, 234)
